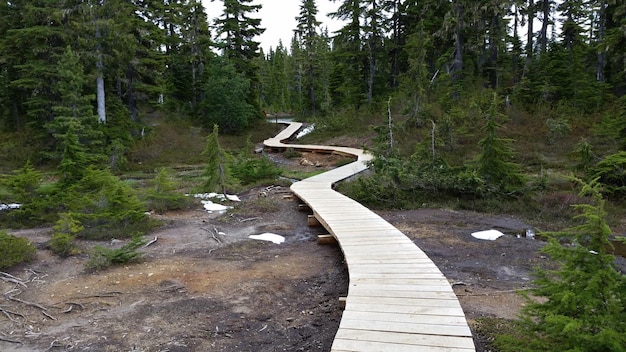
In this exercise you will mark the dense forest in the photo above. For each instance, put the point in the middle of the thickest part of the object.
(504, 106)
(102, 65)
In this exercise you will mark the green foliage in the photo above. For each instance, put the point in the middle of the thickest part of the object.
(14, 250)
(226, 103)
(292, 153)
(102, 257)
(557, 128)
(23, 183)
(105, 206)
(65, 230)
(494, 164)
(249, 170)
(582, 306)
(216, 168)
(162, 196)
(611, 171)
(584, 155)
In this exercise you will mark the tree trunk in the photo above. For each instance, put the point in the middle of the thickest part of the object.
(457, 65)
(529, 35)
(545, 9)
(601, 30)
(102, 116)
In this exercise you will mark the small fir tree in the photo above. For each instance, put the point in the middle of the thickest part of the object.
(216, 168)
(494, 163)
(583, 305)
(163, 196)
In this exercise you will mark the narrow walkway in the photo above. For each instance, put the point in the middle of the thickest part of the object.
(398, 300)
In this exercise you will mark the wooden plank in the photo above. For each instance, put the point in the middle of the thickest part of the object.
(405, 327)
(349, 345)
(403, 301)
(434, 288)
(406, 339)
(441, 321)
(367, 292)
(407, 309)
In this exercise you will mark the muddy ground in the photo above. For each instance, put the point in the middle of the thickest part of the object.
(205, 286)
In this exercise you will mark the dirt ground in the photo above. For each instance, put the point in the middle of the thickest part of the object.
(204, 285)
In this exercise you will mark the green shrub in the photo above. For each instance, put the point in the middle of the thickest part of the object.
(23, 183)
(162, 196)
(102, 257)
(611, 171)
(291, 153)
(62, 241)
(105, 206)
(14, 250)
(255, 169)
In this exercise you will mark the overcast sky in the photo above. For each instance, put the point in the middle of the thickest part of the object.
(278, 17)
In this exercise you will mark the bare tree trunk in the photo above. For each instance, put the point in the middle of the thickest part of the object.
(601, 30)
(102, 116)
(372, 73)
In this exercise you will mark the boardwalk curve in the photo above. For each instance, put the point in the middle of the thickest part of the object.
(398, 300)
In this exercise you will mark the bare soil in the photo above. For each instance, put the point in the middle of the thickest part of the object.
(204, 285)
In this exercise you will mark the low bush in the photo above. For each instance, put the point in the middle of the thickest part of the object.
(162, 197)
(102, 257)
(14, 250)
(65, 230)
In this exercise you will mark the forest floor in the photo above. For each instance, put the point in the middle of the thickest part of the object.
(204, 285)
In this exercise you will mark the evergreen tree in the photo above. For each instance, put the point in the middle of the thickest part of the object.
(216, 171)
(308, 37)
(494, 162)
(348, 80)
(583, 299)
(225, 104)
(32, 42)
(75, 125)
(237, 32)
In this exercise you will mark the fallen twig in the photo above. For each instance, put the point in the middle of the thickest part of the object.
(10, 278)
(216, 233)
(48, 315)
(249, 219)
(8, 314)
(9, 275)
(151, 242)
(2, 338)
(12, 298)
(15, 281)
(52, 345)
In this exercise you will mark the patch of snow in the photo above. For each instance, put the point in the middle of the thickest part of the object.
(272, 237)
(219, 196)
(4, 206)
(490, 235)
(233, 198)
(211, 207)
(305, 131)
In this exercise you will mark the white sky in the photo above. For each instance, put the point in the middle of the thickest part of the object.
(278, 17)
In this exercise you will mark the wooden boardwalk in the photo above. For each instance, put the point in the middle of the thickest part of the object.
(398, 300)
